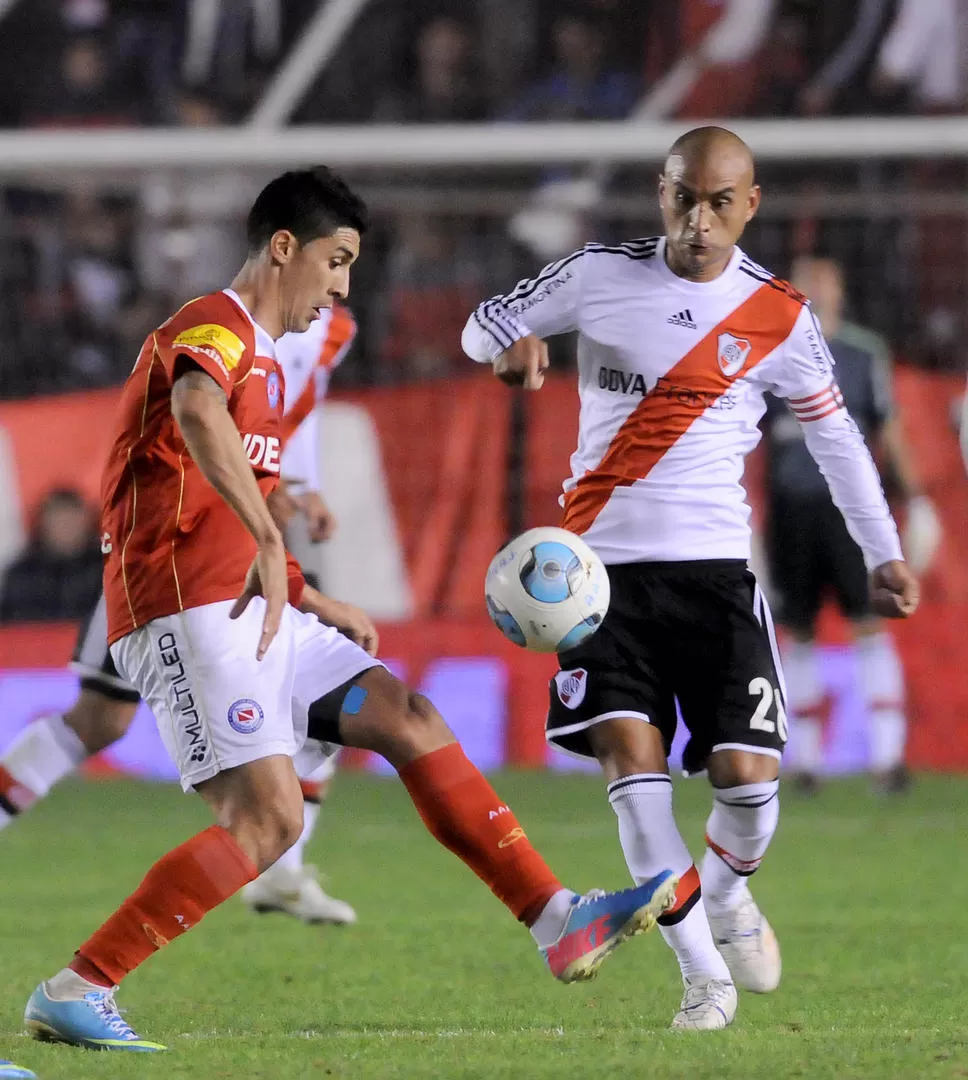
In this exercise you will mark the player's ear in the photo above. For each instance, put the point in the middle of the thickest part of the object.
(754, 202)
(282, 246)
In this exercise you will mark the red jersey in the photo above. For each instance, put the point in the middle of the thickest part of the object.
(171, 542)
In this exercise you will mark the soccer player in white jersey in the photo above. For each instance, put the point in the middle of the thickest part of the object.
(54, 746)
(679, 338)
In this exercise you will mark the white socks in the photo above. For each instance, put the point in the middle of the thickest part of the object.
(293, 858)
(547, 928)
(45, 751)
(67, 985)
(651, 843)
(805, 693)
(738, 832)
(882, 680)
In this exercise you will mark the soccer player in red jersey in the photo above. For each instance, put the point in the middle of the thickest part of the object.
(242, 662)
(55, 745)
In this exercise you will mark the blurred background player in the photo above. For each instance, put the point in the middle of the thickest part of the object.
(810, 550)
(680, 338)
(52, 747)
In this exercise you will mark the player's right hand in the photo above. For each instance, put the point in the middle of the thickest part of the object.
(524, 363)
(268, 577)
(894, 590)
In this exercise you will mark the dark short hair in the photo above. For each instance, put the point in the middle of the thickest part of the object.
(310, 203)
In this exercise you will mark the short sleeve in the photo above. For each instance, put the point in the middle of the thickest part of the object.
(213, 334)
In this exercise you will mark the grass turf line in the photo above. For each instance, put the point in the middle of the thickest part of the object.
(866, 895)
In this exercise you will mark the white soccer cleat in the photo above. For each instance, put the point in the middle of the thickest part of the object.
(707, 1005)
(297, 893)
(748, 945)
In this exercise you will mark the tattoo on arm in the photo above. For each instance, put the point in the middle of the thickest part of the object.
(193, 378)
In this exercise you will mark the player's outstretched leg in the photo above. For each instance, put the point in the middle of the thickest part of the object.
(640, 792)
(291, 885)
(460, 808)
(738, 832)
(52, 747)
(259, 810)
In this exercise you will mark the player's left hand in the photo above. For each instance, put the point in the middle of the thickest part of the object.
(351, 621)
(894, 590)
(319, 518)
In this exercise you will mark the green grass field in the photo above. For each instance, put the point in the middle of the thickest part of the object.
(867, 897)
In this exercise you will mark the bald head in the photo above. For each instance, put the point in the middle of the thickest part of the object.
(711, 143)
(708, 194)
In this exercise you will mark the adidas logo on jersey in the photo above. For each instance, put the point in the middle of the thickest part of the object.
(683, 318)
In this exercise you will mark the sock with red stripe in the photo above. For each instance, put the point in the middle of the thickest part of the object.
(738, 832)
(177, 891)
(43, 753)
(882, 681)
(462, 811)
(651, 842)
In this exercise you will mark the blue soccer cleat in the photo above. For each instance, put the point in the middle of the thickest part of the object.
(92, 1022)
(9, 1071)
(599, 922)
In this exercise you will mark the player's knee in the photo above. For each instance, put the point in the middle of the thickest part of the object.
(411, 727)
(266, 832)
(627, 746)
(98, 721)
(734, 768)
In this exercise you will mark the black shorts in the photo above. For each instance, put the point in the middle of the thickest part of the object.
(810, 552)
(92, 659)
(696, 633)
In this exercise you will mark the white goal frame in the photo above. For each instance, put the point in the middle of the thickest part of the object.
(26, 153)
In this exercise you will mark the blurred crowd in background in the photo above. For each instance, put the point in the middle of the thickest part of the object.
(88, 266)
(87, 269)
(124, 62)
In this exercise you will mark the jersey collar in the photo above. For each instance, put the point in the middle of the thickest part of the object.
(718, 285)
(264, 343)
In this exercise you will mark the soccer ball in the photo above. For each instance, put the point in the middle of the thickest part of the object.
(547, 590)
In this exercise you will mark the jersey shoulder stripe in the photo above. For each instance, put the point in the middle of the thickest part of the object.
(756, 267)
(764, 276)
(528, 286)
(632, 249)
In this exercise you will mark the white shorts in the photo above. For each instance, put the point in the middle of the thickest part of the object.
(216, 705)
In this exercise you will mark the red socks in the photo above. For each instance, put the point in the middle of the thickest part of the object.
(458, 806)
(14, 797)
(177, 891)
(688, 894)
(462, 811)
(312, 791)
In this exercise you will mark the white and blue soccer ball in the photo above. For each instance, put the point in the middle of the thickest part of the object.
(547, 590)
